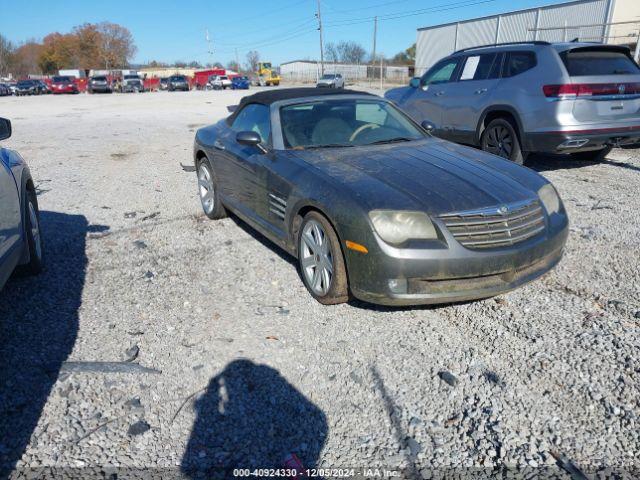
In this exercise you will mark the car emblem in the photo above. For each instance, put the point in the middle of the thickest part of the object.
(621, 89)
(503, 210)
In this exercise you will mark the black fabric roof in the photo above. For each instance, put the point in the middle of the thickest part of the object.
(267, 97)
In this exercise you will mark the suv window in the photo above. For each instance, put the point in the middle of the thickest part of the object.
(254, 117)
(598, 61)
(441, 72)
(480, 67)
(518, 62)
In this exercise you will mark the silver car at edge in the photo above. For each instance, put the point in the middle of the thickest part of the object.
(331, 80)
(20, 239)
(514, 99)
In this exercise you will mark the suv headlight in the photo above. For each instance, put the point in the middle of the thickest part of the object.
(396, 227)
(549, 198)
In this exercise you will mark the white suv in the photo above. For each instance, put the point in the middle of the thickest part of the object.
(218, 82)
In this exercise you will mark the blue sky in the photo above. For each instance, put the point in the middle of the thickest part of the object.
(280, 30)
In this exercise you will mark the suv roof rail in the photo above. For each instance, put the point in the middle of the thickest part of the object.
(532, 42)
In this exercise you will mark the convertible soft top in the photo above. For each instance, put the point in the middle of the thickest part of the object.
(270, 96)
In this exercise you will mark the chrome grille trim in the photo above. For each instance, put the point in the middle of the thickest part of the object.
(489, 228)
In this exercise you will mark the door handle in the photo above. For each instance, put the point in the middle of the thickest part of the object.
(481, 90)
(440, 93)
(219, 145)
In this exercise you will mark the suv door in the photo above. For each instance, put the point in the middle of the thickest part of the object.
(9, 209)
(429, 99)
(470, 95)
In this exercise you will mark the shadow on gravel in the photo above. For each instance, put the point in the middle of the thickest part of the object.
(251, 417)
(547, 163)
(263, 240)
(38, 328)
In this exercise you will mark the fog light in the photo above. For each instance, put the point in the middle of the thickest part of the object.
(398, 285)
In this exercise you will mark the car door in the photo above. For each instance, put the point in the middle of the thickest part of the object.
(468, 96)
(246, 164)
(430, 98)
(9, 209)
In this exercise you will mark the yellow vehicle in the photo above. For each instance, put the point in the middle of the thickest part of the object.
(266, 75)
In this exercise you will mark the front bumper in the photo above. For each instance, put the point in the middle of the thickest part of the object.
(393, 276)
(582, 140)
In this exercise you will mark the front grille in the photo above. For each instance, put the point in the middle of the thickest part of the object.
(496, 227)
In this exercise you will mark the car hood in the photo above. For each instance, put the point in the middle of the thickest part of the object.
(432, 175)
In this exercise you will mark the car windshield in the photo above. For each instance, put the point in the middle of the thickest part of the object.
(131, 77)
(345, 123)
(328, 77)
(100, 79)
(177, 79)
(61, 79)
(24, 83)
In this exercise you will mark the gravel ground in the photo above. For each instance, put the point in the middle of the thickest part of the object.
(233, 364)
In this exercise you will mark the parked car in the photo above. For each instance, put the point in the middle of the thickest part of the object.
(99, 83)
(131, 84)
(331, 80)
(43, 87)
(240, 83)
(20, 239)
(218, 82)
(4, 90)
(372, 205)
(63, 84)
(164, 83)
(178, 82)
(513, 99)
(27, 87)
(12, 86)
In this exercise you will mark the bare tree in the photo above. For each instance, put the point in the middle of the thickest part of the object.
(253, 58)
(351, 52)
(331, 53)
(6, 52)
(117, 46)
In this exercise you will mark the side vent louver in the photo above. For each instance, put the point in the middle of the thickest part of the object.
(277, 205)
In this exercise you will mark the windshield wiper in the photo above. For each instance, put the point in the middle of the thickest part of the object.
(328, 145)
(392, 140)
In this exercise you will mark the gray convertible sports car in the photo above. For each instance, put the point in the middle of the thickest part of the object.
(373, 206)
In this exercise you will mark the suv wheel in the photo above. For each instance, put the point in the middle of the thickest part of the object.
(500, 138)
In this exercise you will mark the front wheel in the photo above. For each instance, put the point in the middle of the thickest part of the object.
(208, 191)
(321, 262)
(33, 237)
(500, 138)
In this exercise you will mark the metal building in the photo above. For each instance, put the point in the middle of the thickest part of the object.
(587, 20)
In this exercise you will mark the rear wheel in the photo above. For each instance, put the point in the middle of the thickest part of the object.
(500, 138)
(321, 262)
(208, 191)
(593, 156)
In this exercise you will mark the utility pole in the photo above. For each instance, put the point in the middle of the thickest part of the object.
(375, 35)
(321, 42)
(237, 61)
(210, 48)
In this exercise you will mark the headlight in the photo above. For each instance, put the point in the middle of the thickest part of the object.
(549, 198)
(397, 227)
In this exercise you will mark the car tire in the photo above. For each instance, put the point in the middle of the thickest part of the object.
(592, 156)
(314, 259)
(208, 191)
(33, 236)
(500, 138)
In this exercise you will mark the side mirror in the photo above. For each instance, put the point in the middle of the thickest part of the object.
(251, 139)
(415, 82)
(428, 126)
(5, 128)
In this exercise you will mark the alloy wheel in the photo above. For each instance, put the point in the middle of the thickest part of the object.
(316, 258)
(206, 188)
(499, 141)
